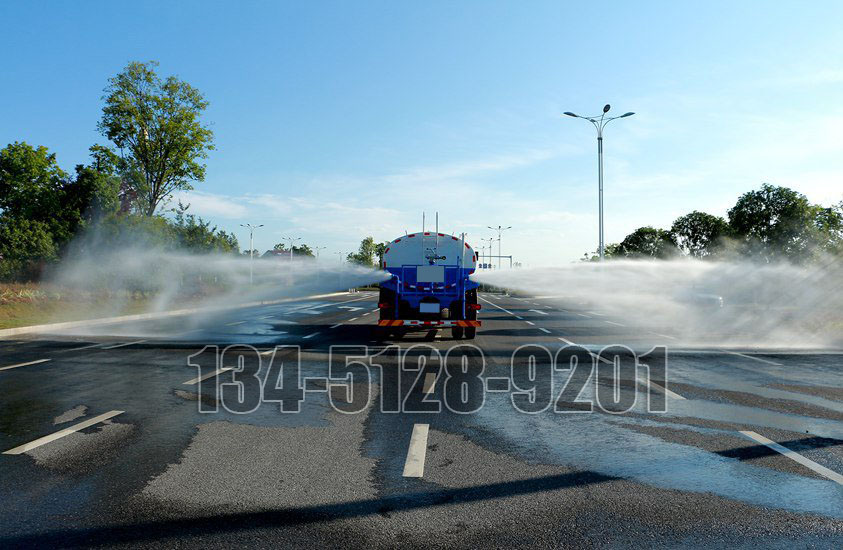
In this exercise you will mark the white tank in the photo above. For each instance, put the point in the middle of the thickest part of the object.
(429, 249)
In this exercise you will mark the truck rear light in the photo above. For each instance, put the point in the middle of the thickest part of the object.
(384, 305)
(475, 307)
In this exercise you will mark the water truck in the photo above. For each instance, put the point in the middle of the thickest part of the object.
(429, 288)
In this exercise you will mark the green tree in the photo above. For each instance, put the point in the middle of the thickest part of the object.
(196, 235)
(158, 122)
(380, 250)
(777, 222)
(699, 234)
(365, 255)
(648, 242)
(611, 251)
(24, 247)
(30, 182)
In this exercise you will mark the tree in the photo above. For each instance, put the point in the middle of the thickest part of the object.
(777, 222)
(648, 242)
(196, 235)
(699, 234)
(30, 182)
(610, 251)
(24, 246)
(302, 250)
(365, 255)
(380, 250)
(158, 121)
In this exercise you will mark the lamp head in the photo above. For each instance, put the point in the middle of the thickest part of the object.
(569, 113)
(606, 108)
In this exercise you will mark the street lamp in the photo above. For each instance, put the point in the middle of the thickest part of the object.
(317, 249)
(292, 240)
(599, 124)
(500, 230)
(251, 249)
(491, 240)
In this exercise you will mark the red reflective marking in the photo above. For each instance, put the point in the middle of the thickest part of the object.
(441, 234)
(456, 239)
(413, 235)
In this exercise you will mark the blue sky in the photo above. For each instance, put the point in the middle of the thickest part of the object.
(337, 120)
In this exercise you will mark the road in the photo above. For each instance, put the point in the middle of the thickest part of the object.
(108, 439)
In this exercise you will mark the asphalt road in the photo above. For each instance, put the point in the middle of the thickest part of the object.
(451, 446)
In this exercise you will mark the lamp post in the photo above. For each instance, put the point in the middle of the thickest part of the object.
(500, 230)
(317, 249)
(599, 124)
(251, 249)
(292, 240)
(489, 248)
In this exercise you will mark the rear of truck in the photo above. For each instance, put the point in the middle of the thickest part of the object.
(429, 287)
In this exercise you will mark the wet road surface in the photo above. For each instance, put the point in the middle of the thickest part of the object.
(143, 435)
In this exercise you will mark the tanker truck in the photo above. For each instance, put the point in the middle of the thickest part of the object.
(428, 288)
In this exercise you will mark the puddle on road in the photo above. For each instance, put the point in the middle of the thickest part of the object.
(600, 443)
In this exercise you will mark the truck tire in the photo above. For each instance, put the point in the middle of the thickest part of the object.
(456, 333)
(470, 332)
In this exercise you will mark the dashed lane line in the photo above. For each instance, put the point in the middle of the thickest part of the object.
(235, 323)
(124, 344)
(38, 362)
(796, 457)
(206, 376)
(311, 335)
(337, 325)
(540, 312)
(61, 433)
(755, 358)
(414, 464)
(544, 330)
(614, 323)
(353, 319)
(89, 346)
(530, 323)
(664, 335)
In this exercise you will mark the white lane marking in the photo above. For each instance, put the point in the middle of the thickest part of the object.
(337, 325)
(796, 457)
(496, 305)
(540, 312)
(548, 307)
(350, 309)
(601, 358)
(206, 376)
(663, 335)
(598, 314)
(310, 335)
(530, 323)
(38, 362)
(414, 464)
(376, 310)
(267, 317)
(124, 344)
(582, 314)
(567, 341)
(544, 330)
(353, 319)
(61, 433)
(755, 358)
(89, 346)
(614, 323)
(519, 317)
(429, 383)
(662, 389)
(267, 352)
(367, 313)
(235, 323)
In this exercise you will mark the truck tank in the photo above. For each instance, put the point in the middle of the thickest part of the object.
(429, 287)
